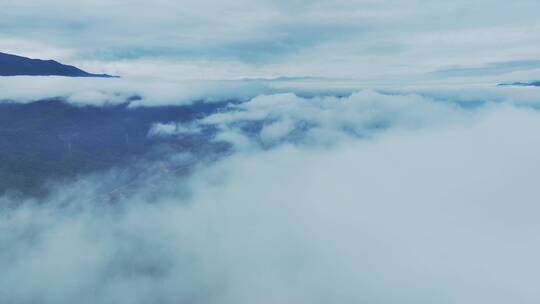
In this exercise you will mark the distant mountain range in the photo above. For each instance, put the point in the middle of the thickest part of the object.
(13, 65)
(521, 84)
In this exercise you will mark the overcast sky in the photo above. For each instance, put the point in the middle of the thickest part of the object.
(362, 39)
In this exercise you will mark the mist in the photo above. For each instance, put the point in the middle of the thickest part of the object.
(376, 198)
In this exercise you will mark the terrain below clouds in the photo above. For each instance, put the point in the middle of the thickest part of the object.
(52, 140)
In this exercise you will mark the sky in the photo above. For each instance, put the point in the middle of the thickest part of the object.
(372, 157)
(368, 40)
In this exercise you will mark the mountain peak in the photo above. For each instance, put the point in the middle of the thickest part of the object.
(13, 65)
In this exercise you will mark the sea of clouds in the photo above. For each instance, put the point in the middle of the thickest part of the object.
(340, 194)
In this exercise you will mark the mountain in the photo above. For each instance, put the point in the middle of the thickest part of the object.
(51, 140)
(13, 65)
(522, 84)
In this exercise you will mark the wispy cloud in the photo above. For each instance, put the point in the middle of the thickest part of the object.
(497, 68)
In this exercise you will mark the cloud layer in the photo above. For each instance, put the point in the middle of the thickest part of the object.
(385, 198)
(358, 39)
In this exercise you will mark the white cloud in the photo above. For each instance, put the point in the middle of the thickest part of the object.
(171, 129)
(276, 131)
(327, 120)
(426, 215)
(152, 91)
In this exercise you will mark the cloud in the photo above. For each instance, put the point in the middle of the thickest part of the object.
(148, 91)
(492, 68)
(356, 39)
(171, 129)
(438, 207)
(327, 120)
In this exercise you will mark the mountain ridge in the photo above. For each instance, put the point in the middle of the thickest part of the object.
(521, 84)
(14, 65)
